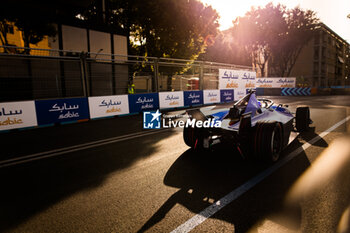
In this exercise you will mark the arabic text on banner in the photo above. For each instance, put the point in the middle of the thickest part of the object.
(193, 98)
(211, 96)
(103, 106)
(14, 115)
(226, 95)
(275, 82)
(61, 110)
(233, 79)
(143, 102)
(171, 99)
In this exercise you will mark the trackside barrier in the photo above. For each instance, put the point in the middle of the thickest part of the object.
(62, 110)
(168, 100)
(15, 115)
(24, 114)
(227, 95)
(260, 91)
(295, 91)
(107, 106)
(143, 102)
(211, 96)
(193, 98)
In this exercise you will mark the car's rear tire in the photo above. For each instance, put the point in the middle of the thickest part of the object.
(192, 137)
(302, 119)
(268, 141)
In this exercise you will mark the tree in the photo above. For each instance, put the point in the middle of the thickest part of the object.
(4, 28)
(5, 19)
(35, 23)
(274, 34)
(34, 30)
(257, 30)
(225, 49)
(300, 26)
(159, 28)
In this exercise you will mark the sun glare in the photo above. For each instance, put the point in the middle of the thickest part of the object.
(231, 9)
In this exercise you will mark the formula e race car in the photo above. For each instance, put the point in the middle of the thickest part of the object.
(257, 128)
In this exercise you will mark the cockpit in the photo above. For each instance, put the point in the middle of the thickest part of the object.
(249, 103)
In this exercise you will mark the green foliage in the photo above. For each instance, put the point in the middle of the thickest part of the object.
(225, 49)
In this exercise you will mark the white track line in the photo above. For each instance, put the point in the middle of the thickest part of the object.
(83, 146)
(212, 209)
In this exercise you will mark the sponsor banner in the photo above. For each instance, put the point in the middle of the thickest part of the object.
(232, 79)
(240, 93)
(275, 82)
(211, 96)
(143, 102)
(227, 95)
(193, 98)
(104, 106)
(286, 82)
(14, 115)
(61, 110)
(173, 99)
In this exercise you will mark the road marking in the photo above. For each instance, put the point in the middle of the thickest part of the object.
(214, 208)
(83, 146)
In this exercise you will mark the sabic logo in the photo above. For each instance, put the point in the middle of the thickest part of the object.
(151, 120)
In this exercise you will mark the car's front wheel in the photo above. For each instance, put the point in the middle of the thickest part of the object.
(302, 119)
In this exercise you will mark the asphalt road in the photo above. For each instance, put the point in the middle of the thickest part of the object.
(154, 183)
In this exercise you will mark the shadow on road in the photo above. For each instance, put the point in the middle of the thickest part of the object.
(31, 188)
(310, 134)
(205, 178)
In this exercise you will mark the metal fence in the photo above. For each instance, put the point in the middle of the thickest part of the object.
(28, 73)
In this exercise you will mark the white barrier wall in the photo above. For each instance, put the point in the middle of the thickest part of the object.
(278, 82)
(171, 99)
(15, 115)
(211, 96)
(104, 106)
(239, 93)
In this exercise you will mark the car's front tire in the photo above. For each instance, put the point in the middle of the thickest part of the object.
(302, 119)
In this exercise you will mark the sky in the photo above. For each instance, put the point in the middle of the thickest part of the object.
(333, 13)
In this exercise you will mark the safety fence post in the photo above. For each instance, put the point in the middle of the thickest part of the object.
(201, 75)
(156, 75)
(84, 74)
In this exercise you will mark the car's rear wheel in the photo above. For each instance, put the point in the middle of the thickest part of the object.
(268, 141)
(302, 119)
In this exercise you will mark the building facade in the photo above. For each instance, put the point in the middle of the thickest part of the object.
(324, 60)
